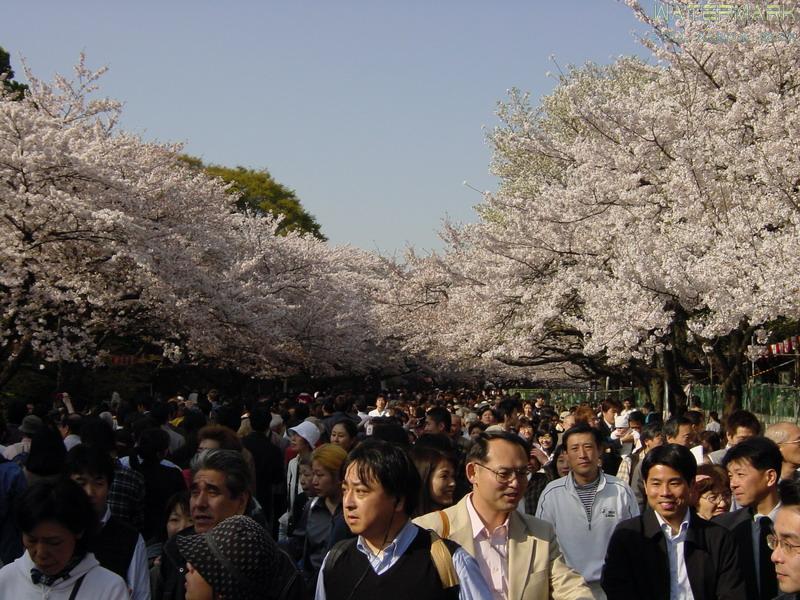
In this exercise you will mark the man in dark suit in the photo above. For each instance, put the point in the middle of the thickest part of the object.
(669, 551)
(754, 467)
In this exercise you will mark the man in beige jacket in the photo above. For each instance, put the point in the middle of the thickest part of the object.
(518, 554)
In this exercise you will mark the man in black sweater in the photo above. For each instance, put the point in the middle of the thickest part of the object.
(392, 558)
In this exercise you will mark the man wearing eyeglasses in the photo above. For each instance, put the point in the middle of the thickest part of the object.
(518, 555)
(585, 506)
(785, 541)
(787, 436)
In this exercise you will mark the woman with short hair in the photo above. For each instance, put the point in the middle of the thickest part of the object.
(711, 495)
(58, 523)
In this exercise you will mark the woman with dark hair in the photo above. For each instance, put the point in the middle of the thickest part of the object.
(437, 470)
(546, 437)
(488, 416)
(57, 523)
(344, 433)
(558, 465)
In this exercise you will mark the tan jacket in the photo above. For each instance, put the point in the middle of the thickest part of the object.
(536, 567)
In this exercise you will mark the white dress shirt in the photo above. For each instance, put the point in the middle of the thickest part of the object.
(679, 586)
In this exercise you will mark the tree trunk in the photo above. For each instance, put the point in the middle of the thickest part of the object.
(13, 360)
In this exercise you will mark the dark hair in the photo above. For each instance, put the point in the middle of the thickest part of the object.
(224, 436)
(178, 499)
(350, 427)
(610, 403)
(97, 433)
(160, 413)
(426, 459)
(675, 456)
(62, 501)
(440, 415)
(694, 417)
(637, 416)
(389, 465)
(475, 424)
(491, 410)
(193, 421)
(672, 426)
(582, 427)
(762, 453)
(89, 460)
(260, 419)
(389, 430)
(650, 432)
(153, 443)
(46, 455)
(551, 468)
(229, 462)
(710, 440)
(742, 418)
(789, 491)
(72, 422)
(546, 429)
(479, 451)
(506, 408)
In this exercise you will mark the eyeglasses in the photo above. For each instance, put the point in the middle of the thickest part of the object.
(792, 442)
(505, 475)
(773, 542)
(716, 498)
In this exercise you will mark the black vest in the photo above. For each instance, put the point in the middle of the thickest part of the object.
(414, 575)
(114, 545)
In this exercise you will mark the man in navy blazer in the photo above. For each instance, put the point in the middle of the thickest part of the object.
(669, 549)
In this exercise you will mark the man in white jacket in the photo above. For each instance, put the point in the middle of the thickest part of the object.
(585, 506)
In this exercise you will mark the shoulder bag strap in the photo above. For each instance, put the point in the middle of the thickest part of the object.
(76, 587)
(445, 524)
(443, 561)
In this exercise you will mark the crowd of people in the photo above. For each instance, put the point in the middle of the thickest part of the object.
(470, 495)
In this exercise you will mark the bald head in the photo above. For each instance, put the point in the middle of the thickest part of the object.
(782, 432)
(787, 436)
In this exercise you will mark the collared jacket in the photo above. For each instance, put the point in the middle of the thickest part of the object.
(740, 524)
(584, 541)
(637, 564)
(536, 567)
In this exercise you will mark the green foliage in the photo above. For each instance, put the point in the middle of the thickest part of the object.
(260, 193)
(5, 70)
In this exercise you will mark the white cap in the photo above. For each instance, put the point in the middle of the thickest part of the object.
(308, 431)
(621, 422)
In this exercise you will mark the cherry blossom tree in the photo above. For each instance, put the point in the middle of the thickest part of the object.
(646, 216)
(104, 234)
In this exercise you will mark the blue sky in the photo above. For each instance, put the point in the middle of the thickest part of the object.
(373, 111)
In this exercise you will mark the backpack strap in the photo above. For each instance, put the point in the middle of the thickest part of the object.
(443, 561)
(335, 552)
(445, 524)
